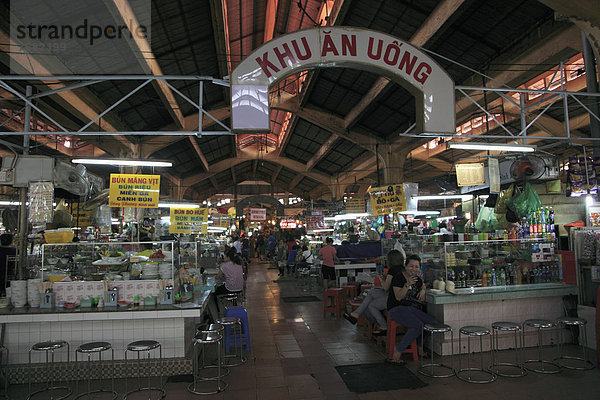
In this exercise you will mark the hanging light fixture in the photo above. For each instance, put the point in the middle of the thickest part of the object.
(122, 162)
(521, 148)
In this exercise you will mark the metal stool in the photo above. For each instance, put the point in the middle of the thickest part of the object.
(466, 374)
(428, 369)
(540, 325)
(49, 348)
(138, 347)
(201, 339)
(97, 348)
(498, 327)
(235, 333)
(220, 329)
(584, 362)
(4, 349)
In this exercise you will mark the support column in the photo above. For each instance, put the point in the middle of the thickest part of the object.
(337, 189)
(393, 164)
(23, 226)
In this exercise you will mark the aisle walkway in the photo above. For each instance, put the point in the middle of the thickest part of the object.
(295, 351)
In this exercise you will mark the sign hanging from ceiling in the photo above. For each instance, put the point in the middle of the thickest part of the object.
(341, 47)
(188, 220)
(288, 223)
(131, 190)
(355, 206)
(314, 222)
(258, 214)
(221, 220)
(470, 174)
(41, 199)
(387, 199)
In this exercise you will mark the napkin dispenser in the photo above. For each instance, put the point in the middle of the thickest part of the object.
(111, 298)
(165, 296)
(46, 300)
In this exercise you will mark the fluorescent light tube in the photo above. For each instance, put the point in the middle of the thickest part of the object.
(491, 146)
(119, 162)
(444, 197)
(420, 212)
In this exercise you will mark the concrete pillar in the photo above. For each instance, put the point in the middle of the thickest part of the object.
(392, 164)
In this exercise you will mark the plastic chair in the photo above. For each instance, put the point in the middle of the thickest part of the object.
(337, 301)
(241, 313)
(392, 328)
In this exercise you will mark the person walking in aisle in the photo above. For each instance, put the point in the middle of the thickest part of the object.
(328, 255)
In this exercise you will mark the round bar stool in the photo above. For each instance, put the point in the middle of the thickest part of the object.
(49, 348)
(428, 369)
(96, 348)
(499, 368)
(201, 339)
(540, 325)
(466, 374)
(220, 329)
(138, 347)
(579, 363)
(233, 331)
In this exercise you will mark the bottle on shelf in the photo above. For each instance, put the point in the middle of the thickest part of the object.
(494, 280)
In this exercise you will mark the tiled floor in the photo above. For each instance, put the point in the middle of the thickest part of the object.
(295, 350)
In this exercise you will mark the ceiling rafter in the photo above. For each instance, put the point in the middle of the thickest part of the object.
(148, 61)
(432, 24)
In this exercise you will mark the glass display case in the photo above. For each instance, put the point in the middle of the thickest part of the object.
(430, 249)
(491, 263)
(188, 254)
(107, 261)
(210, 255)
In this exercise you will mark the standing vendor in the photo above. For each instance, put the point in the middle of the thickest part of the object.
(329, 256)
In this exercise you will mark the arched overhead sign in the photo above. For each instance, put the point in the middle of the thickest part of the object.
(342, 47)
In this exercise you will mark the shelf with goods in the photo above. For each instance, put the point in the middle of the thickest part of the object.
(484, 265)
(585, 242)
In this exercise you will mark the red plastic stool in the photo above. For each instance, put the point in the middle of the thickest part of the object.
(337, 301)
(391, 341)
(350, 291)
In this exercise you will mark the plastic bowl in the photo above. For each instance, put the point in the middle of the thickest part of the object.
(56, 278)
(97, 277)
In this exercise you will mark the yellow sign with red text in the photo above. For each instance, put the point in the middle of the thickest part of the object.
(387, 199)
(188, 220)
(132, 190)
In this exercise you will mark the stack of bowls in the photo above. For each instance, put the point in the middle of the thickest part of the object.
(33, 293)
(18, 293)
(164, 270)
(149, 271)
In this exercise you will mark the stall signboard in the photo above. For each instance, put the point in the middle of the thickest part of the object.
(314, 222)
(355, 206)
(387, 199)
(189, 220)
(221, 221)
(288, 223)
(132, 190)
(258, 214)
(41, 198)
(83, 218)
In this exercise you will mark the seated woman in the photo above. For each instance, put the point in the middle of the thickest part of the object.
(405, 304)
(376, 300)
(231, 273)
(305, 259)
